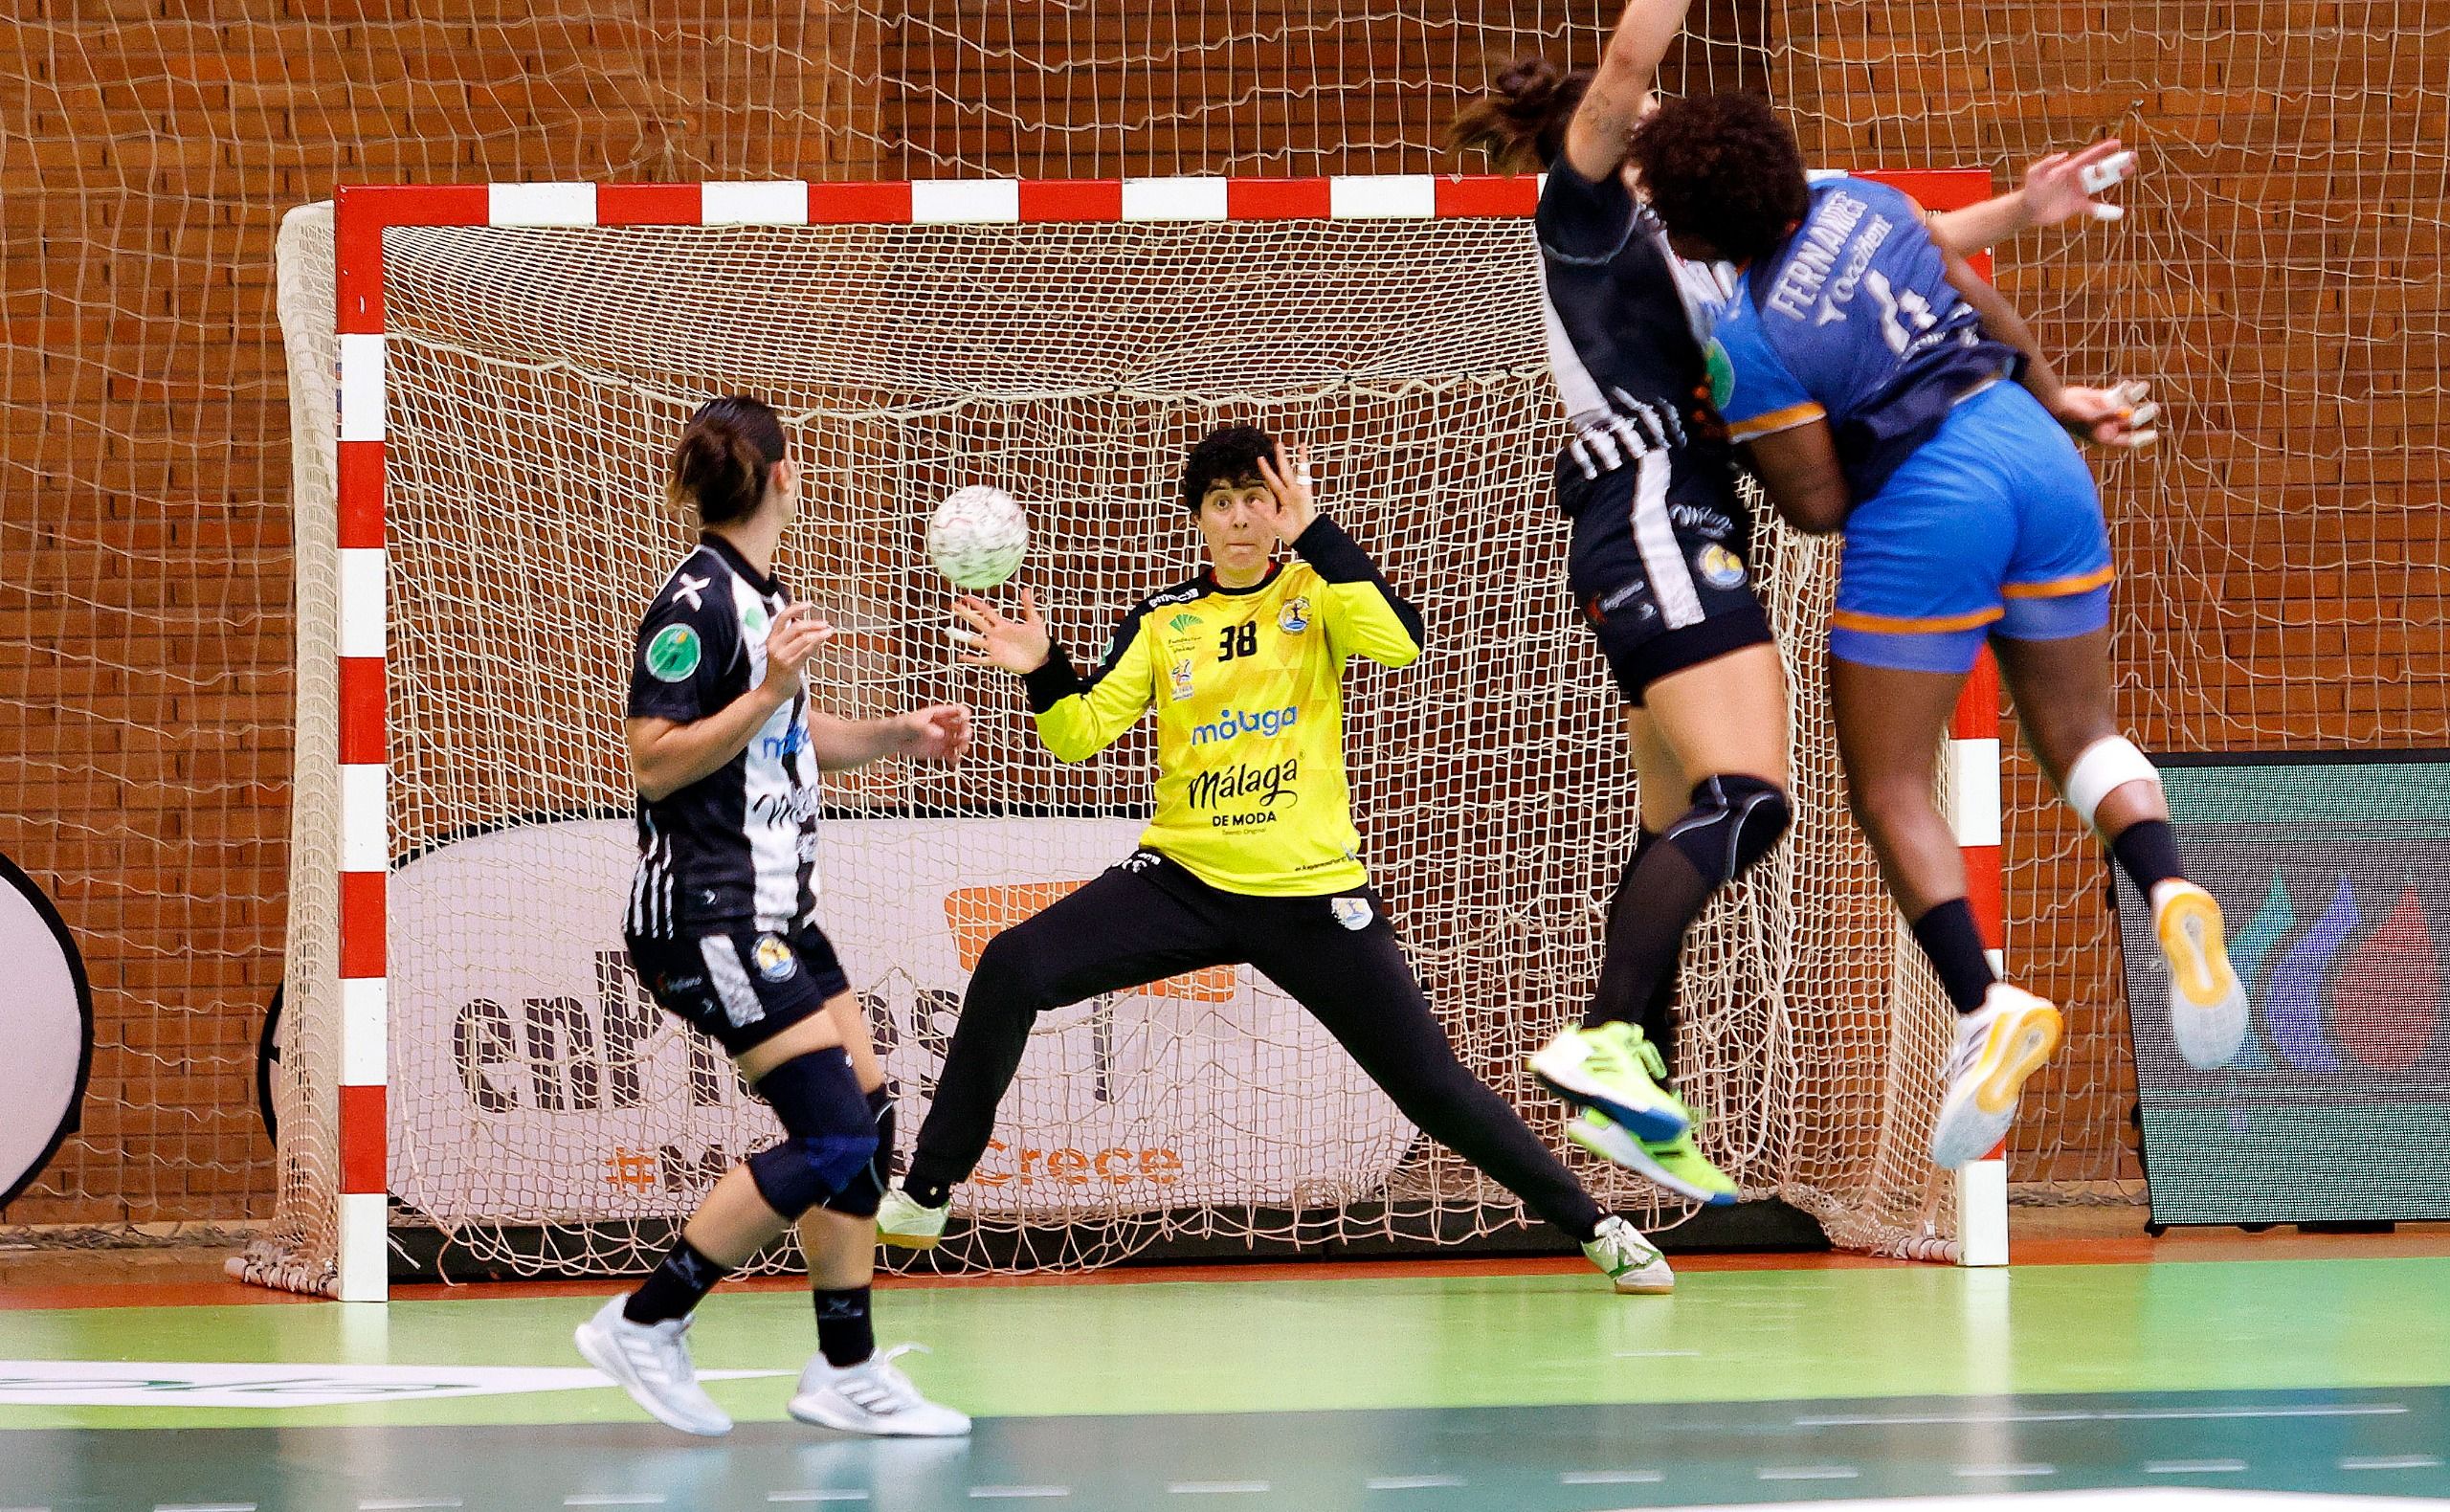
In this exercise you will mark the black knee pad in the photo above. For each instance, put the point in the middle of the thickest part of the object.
(865, 1193)
(1734, 823)
(829, 1134)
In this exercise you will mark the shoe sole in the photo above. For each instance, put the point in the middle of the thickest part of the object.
(1973, 1123)
(1649, 1123)
(1630, 1154)
(811, 1412)
(910, 1241)
(2207, 1002)
(609, 1362)
(1646, 1288)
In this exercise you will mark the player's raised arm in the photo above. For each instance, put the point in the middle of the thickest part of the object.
(2060, 187)
(1076, 717)
(1620, 93)
(1365, 616)
(1517, 123)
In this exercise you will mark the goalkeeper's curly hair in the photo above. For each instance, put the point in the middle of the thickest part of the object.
(1723, 168)
(1228, 456)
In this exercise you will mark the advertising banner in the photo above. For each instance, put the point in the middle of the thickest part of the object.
(2335, 877)
(533, 1079)
(47, 1021)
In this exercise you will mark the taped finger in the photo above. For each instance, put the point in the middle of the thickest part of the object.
(2108, 173)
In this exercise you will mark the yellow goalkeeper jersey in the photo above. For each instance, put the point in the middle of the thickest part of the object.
(1248, 684)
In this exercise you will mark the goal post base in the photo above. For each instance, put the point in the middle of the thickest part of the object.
(422, 1255)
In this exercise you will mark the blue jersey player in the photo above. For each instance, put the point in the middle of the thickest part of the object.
(1877, 384)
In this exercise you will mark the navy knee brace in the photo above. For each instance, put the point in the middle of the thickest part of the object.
(829, 1134)
(1734, 823)
(865, 1192)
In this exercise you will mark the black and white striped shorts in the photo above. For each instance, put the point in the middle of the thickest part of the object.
(741, 985)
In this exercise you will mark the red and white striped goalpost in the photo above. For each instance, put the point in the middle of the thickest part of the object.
(362, 214)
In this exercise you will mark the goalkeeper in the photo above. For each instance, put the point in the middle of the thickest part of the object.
(1250, 856)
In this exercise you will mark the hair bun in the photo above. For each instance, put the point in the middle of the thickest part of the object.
(720, 463)
(1527, 90)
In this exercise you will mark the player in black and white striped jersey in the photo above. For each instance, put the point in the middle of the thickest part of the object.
(728, 751)
(1657, 567)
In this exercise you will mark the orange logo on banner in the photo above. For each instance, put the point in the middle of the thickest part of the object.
(978, 914)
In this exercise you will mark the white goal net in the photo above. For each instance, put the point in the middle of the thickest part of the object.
(543, 1117)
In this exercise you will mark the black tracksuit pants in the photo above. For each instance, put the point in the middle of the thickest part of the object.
(1148, 918)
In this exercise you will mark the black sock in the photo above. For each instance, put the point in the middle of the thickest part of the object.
(1656, 895)
(675, 1287)
(2149, 853)
(845, 1333)
(1947, 935)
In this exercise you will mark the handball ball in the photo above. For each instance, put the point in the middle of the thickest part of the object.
(977, 537)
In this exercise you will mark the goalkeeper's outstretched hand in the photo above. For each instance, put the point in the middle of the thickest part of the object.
(2065, 185)
(1288, 478)
(1018, 644)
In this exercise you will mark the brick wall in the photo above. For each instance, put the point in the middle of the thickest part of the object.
(2283, 553)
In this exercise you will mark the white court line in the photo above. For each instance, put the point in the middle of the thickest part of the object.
(816, 1495)
(1215, 1488)
(1809, 1472)
(1610, 1478)
(2192, 1467)
(204, 1506)
(2116, 1414)
(409, 1506)
(1411, 1482)
(1020, 1491)
(2391, 1462)
(2003, 1472)
(609, 1499)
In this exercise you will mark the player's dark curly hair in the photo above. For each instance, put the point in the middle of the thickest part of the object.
(1520, 121)
(1723, 168)
(1228, 456)
(726, 457)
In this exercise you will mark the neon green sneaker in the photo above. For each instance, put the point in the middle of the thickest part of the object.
(1614, 1069)
(1677, 1164)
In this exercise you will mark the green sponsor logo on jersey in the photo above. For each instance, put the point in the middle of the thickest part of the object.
(1182, 622)
(1721, 373)
(673, 653)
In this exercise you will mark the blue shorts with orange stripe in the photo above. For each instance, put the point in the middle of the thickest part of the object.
(1993, 528)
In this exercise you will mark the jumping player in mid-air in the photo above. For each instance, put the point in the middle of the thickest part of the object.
(1250, 855)
(727, 746)
(1880, 386)
(1659, 555)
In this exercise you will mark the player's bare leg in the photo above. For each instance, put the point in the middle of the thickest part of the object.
(1702, 733)
(649, 1355)
(2062, 690)
(1890, 721)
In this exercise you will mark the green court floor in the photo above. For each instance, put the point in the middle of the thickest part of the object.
(1540, 1392)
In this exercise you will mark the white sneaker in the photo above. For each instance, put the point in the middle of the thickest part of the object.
(872, 1397)
(902, 1223)
(1632, 1262)
(1997, 1046)
(2207, 1002)
(652, 1363)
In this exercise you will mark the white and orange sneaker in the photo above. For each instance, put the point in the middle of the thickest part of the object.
(2207, 1002)
(1997, 1046)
